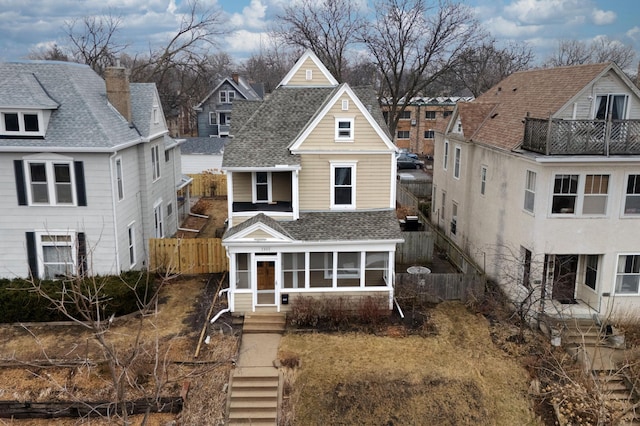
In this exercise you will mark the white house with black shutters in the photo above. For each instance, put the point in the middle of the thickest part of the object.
(90, 173)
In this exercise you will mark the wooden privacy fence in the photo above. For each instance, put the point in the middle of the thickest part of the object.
(209, 185)
(417, 247)
(435, 288)
(187, 255)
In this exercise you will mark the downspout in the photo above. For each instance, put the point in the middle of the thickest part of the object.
(113, 207)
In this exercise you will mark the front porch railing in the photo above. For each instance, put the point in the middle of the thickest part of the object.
(582, 137)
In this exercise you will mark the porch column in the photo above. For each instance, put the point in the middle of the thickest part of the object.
(294, 195)
(230, 198)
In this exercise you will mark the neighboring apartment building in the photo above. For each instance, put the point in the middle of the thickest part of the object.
(538, 180)
(90, 173)
(311, 185)
(420, 121)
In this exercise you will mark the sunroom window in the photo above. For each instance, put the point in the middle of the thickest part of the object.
(628, 274)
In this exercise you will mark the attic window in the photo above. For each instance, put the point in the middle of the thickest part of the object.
(21, 123)
(345, 105)
(309, 75)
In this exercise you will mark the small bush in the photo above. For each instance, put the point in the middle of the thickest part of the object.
(335, 313)
(289, 359)
(119, 295)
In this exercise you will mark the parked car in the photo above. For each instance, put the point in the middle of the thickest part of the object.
(409, 161)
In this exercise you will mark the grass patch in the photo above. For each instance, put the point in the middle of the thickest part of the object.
(455, 377)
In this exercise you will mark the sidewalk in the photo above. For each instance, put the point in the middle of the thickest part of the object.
(258, 349)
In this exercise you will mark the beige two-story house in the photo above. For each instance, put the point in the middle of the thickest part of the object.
(538, 180)
(311, 181)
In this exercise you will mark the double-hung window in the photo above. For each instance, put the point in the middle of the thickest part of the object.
(119, 181)
(403, 134)
(445, 159)
(50, 182)
(628, 274)
(57, 251)
(223, 96)
(565, 194)
(632, 199)
(596, 188)
(530, 191)
(430, 115)
(483, 179)
(155, 162)
(405, 115)
(344, 130)
(343, 185)
(456, 164)
(261, 187)
(429, 134)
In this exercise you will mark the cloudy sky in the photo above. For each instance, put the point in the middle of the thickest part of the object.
(29, 25)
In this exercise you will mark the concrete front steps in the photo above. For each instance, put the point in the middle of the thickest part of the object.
(253, 396)
(264, 323)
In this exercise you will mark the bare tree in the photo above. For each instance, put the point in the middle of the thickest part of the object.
(181, 68)
(94, 40)
(601, 49)
(268, 66)
(50, 53)
(413, 43)
(327, 27)
(484, 66)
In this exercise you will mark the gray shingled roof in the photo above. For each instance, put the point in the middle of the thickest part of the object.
(332, 226)
(142, 97)
(204, 145)
(266, 129)
(84, 118)
(368, 97)
(22, 90)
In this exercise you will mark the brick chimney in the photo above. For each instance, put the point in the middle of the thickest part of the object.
(118, 92)
(235, 76)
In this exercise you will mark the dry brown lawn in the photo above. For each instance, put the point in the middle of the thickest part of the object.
(175, 329)
(456, 376)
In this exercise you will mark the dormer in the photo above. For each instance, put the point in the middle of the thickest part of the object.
(25, 108)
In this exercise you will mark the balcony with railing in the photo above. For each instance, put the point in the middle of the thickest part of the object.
(582, 137)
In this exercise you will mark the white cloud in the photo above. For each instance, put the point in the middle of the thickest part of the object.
(253, 16)
(634, 33)
(500, 26)
(603, 17)
(245, 41)
(538, 12)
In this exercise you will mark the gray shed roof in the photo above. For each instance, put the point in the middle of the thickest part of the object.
(265, 130)
(209, 146)
(381, 225)
(83, 119)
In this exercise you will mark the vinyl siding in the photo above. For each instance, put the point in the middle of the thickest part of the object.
(242, 187)
(373, 180)
(243, 302)
(198, 163)
(299, 78)
(323, 136)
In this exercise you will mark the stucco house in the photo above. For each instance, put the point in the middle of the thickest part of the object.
(90, 172)
(311, 193)
(538, 180)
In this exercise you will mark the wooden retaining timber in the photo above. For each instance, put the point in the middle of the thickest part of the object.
(50, 410)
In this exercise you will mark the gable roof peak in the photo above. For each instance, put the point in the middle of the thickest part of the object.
(308, 55)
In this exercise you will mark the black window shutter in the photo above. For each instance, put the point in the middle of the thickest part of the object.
(20, 183)
(32, 254)
(82, 254)
(81, 192)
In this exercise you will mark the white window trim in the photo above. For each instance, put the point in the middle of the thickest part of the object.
(351, 137)
(155, 162)
(308, 75)
(22, 131)
(119, 179)
(131, 244)
(580, 196)
(483, 179)
(158, 219)
(445, 156)
(454, 217)
(212, 118)
(231, 95)
(51, 185)
(222, 97)
(156, 115)
(530, 190)
(615, 286)
(457, 162)
(345, 164)
(345, 104)
(625, 195)
(254, 192)
(71, 243)
(408, 132)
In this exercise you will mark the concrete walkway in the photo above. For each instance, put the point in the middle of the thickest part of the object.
(258, 350)
(255, 391)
